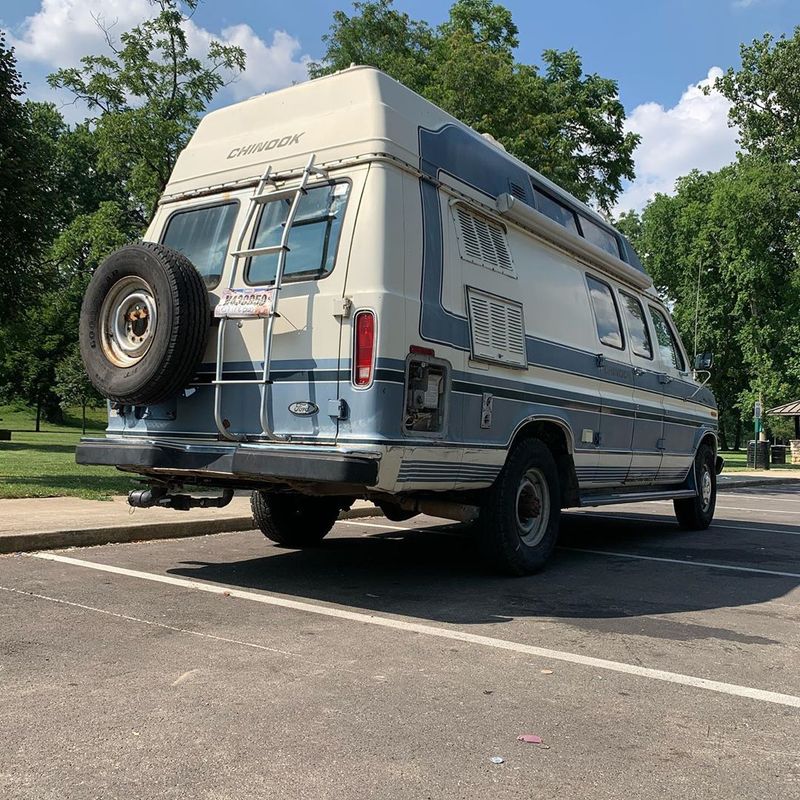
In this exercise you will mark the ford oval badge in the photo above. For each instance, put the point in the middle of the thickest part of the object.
(303, 408)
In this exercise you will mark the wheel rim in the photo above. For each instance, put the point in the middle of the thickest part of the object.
(532, 507)
(128, 321)
(706, 488)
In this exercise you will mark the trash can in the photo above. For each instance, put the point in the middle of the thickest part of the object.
(757, 455)
(778, 454)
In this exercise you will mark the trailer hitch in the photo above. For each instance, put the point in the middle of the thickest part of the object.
(159, 496)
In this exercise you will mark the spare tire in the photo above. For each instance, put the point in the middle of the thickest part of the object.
(144, 324)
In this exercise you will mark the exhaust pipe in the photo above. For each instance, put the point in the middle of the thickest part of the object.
(158, 496)
(461, 512)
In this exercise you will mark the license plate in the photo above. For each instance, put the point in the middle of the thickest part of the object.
(245, 303)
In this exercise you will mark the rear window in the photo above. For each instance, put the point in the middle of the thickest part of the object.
(203, 235)
(606, 313)
(313, 239)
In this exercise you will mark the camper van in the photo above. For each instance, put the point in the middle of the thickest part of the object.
(346, 293)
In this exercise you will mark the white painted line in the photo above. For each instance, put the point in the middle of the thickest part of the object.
(668, 520)
(760, 510)
(682, 561)
(762, 695)
(373, 525)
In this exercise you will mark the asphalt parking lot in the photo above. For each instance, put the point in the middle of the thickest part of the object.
(390, 664)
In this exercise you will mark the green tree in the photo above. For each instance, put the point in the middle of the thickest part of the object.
(568, 125)
(146, 98)
(717, 249)
(25, 223)
(72, 384)
(765, 98)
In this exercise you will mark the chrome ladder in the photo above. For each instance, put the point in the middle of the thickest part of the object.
(259, 197)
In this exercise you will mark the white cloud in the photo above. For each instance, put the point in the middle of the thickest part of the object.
(693, 134)
(62, 31)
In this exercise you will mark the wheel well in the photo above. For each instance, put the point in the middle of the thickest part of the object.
(558, 441)
(711, 440)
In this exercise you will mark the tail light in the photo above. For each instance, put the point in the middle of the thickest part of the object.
(364, 361)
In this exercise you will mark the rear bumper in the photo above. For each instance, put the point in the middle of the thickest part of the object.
(229, 463)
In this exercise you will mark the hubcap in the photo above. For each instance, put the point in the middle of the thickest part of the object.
(705, 488)
(127, 321)
(533, 507)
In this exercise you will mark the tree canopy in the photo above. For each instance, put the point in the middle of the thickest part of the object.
(564, 123)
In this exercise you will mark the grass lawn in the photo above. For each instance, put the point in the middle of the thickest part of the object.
(43, 464)
(736, 460)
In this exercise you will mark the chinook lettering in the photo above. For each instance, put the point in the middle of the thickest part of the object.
(269, 144)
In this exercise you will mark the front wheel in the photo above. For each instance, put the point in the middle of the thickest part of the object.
(294, 520)
(696, 513)
(519, 521)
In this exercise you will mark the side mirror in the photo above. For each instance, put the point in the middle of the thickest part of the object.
(703, 361)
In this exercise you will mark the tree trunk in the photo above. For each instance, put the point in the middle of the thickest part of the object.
(737, 440)
(38, 414)
(723, 435)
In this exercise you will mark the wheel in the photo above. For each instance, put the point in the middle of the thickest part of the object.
(518, 523)
(696, 513)
(294, 520)
(144, 324)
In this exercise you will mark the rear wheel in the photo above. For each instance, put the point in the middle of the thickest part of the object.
(518, 524)
(294, 520)
(696, 513)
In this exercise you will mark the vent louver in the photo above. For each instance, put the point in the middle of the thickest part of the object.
(518, 191)
(482, 241)
(497, 328)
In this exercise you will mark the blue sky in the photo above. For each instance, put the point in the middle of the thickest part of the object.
(655, 49)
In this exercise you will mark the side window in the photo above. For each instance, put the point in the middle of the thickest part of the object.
(202, 235)
(557, 211)
(668, 345)
(313, 239)
(636, 321)
(600, 237)
(606, 313)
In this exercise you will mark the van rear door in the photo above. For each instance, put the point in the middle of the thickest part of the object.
(305, 367)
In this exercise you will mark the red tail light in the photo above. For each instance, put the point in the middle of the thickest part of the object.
(364, 361)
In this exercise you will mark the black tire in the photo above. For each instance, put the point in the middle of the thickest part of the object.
(696, 513)
(510, 507)
(294, 520)
(172, 345)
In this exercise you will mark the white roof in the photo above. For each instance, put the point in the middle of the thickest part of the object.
(355, 112)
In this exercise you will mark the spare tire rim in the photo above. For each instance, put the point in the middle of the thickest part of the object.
(706, 488)
(532, 507)
(128, 321)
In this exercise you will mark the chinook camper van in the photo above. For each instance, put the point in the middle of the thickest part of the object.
(346, 293)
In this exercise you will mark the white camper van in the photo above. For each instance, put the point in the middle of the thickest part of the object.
(346, 293)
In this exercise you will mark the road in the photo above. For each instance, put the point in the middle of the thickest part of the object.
(390, 664)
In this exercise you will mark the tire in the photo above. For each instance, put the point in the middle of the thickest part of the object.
(696, 513)
(516, 539)
(294, 520)
(155, 304)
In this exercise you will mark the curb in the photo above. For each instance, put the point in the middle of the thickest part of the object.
(121, 534)
(745, 484)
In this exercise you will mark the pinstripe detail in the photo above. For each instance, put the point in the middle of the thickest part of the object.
(445, 471)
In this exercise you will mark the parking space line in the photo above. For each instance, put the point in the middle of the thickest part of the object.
(739, 508)
(683, 561)
(667, 520)
(736, 690)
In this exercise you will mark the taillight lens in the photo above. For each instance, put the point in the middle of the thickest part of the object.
(364, 348)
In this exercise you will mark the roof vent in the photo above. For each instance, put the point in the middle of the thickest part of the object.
(492, 140)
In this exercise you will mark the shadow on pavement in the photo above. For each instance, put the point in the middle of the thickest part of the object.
(435, 573)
